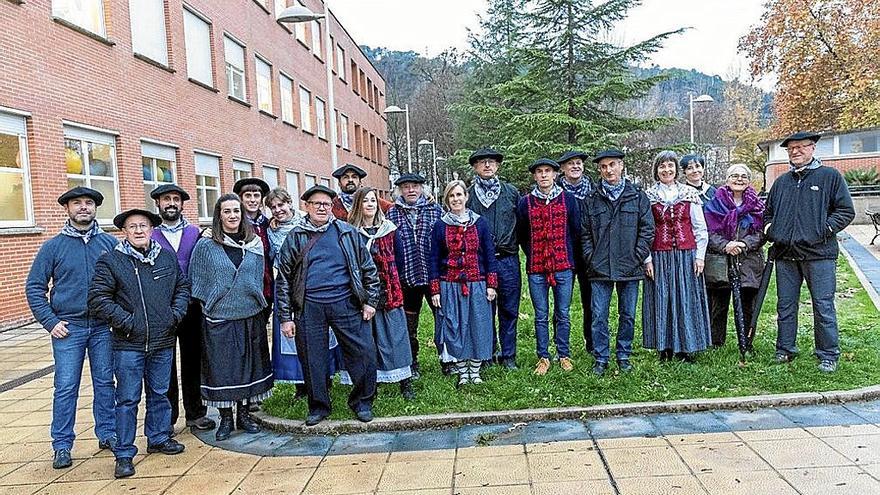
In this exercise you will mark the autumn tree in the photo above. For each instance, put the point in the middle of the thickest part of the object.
(824, 53)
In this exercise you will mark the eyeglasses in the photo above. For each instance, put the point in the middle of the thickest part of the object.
(738, 177)
(321, 205)
(799, 148)
(134, 227)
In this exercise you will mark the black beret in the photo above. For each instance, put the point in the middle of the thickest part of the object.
(339, 172)
(800, 136)
(484, 153)
(119, 220)
(76, 192)
(571, 155)
(169, 188)
(404, 178)
(317, 189)
(543, 161)
(609, 153)
(239, 184)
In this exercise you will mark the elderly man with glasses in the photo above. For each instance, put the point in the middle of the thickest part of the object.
(806, 207)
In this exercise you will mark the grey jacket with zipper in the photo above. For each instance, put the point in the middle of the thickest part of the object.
(143, 303)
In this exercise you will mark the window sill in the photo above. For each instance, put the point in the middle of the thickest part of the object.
(320, 59)
(291, 124)
(17, 2)
(154, 63)
(310, 133)
(200, 83)
(240, 102)
(31, 230)
(284, 26)
(304, 45)
(82, 30)
(265, 9)
(323, 139)
(268, 114)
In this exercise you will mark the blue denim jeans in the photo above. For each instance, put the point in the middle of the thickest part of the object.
(133, 369)
(820, 276)
(506, 305)
(69, 354)
(539, 290)
(627, 300)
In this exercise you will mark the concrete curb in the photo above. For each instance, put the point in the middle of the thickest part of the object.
(844, 239)
(434, 421)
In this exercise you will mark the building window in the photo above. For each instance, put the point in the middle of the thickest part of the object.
(343, 131)
(159, 163)
(305, 109)
(860, 142)
(270, 175)
(148, 29)
(317, 47)
(354, 79)
(87, 14)
(264, 85)
(321, 118)
(197, 38)
(362, 78)
(293, 186)
(234, 55)
(299, 30)
(358, 147)
(241, 170)
(310, 181)
(15, 187)
(207, 184)
(325, 182)
(340, 62)
(370, 91)
(279, 6)
(286, 85)
(90, 157)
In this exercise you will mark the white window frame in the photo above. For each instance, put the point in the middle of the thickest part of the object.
(321, 118)
(209, 167)
(86, 135)
(286, 97)
(317, 39)
(67, 10)
(343, 131)
(234, 56)
(299, 29)
(15, 124)
(270, 171)
(325, 182)
(291, 178)
(153, 152)
(305, 109)
(279, 6)
(148, 35)
(242, 169)
(340, 62)
(264, 84)
(309, 181)
(193, 23)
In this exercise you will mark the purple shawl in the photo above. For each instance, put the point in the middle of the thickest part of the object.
(723, 216)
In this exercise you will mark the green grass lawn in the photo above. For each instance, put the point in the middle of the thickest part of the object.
(715, 374)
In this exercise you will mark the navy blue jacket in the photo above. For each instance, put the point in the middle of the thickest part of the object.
(69, 263)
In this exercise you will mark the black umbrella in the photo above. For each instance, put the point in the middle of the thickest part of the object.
(738, 315)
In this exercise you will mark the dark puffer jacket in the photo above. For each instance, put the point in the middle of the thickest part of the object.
(290, 282)
(501, 217)
(143, 303)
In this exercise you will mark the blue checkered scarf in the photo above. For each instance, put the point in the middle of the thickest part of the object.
(182, 224)
(580, 190)
(86, 235)
(613, 192)
(149, 258)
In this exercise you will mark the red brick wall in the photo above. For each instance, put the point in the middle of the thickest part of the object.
(774, 170)
(56, 73)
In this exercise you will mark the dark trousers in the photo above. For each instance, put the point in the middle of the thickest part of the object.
(820, 276)
(587, 305)
(134, 370)
(355, 337)
(189, 334)
(719, 303)
(627, 300)
(412, 306)
(506, 306)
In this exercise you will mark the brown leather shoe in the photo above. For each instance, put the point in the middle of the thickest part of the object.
(542, 367)
(566, 364)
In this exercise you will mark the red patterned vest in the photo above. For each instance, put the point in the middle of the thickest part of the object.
(383, 256)
(548, 223)
(673, 228)
(463, 264)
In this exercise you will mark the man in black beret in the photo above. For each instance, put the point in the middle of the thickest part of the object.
(806, 208)
(143, 306)
(67, 263)
(327, 277)
(496, 201)
(349, 178)
(178, 236)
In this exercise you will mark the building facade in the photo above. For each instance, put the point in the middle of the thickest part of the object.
(125, 95)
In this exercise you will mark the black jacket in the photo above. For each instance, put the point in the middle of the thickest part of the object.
(142, 303)
(751, 263)
(805, 211)
(617, 235)
(290, 281)
(501, 217)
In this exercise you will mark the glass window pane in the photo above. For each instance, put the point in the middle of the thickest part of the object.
(202, 210)
(212, 195)
(148, 167)
(73, 156)
(211, 181)
(12, 199)
(100, 159)
(71, 183)
(9, 151)
(149, 202)
(107, 188)
(164, 171)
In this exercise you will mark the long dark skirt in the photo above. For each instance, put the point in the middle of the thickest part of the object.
(285, 359)
(235, 363)
(394, 356)
(463, 325)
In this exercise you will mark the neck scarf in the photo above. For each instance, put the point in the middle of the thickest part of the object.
(412, 210)
(613, 192)
(672, 194)
(255, 246)
(86, 235)
(813, 165)
(580, 190)
(377, 231)
(308, 226)
(555, 191)
(465, 220)
(182, 224)
(148, 259)
(724, 217)
(259, 221)
(347, 200)
(487, 190)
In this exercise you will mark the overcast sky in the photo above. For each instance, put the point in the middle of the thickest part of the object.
(430, 26)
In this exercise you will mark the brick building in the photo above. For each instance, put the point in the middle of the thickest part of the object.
(123, 95)
(856, 149)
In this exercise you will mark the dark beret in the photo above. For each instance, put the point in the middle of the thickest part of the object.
(543, 161)
(609, 153)
(484, 153)
(239, 185)
(573, 154)
(339, 172)
(79, 191)
(119, 220)
(799, 136)
(404, 178)
(169, 188)
(317, 189)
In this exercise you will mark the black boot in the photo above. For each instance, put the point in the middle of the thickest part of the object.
(226, 424)
(243, 419)
(406, 389)
(300, 391)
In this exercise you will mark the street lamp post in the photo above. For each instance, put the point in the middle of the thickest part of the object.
(700, 99)
(425, 142)
(404, 110)
(299, 13)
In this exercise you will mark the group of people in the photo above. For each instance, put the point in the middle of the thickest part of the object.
(344, 284)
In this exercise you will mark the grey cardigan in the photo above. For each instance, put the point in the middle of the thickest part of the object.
(226, 292)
